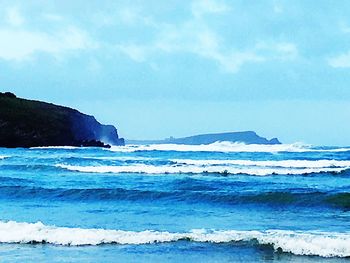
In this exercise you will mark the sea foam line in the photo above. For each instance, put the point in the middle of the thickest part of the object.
(279, 163)
(56, 147)
(193, 169)
(225, 147)
(324, 244)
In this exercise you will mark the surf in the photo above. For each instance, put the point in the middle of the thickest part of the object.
(323, 244)
(227, 147)
(199, 169)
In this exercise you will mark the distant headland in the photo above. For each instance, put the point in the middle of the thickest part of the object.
(28, 123)
(247, 137)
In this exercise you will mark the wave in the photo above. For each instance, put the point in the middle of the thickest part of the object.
(117, 158)
(29, 167)
(56, 147)
(199, 169)
(226, 147)
(324, 244)
(280, 163)
(201, 193)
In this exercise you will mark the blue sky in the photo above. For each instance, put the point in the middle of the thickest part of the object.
(175, 68)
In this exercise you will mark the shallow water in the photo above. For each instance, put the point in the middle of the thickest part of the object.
(168, 203)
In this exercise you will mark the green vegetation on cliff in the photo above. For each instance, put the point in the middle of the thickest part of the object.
(28, 123)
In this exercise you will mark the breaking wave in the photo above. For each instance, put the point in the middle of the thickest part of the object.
(323, 244)
(199, 168)
(57, 147)
(280, 163)
(226, 147)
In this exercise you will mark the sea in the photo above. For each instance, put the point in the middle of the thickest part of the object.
(223, 202)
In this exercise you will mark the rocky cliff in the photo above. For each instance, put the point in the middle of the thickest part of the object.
(28, 123)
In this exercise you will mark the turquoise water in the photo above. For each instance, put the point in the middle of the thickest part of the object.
(168, 203)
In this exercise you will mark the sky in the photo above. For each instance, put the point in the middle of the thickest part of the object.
(156, 68)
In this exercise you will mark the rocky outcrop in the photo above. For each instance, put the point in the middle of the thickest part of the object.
(247, 137)
(28, 123)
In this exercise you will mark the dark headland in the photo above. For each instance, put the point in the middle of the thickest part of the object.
(28, 123)
(247, 137)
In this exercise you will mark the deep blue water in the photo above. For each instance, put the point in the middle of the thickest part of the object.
(218, 203)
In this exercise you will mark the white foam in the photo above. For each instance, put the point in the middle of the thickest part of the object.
(324, 244)
(56, 147)
(214, 147)
(119, 158)
(225, 147)
(194, 169)
(3, 157)
(280, 163)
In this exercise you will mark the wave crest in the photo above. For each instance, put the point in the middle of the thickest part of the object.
(226, 147)
(324, 244)
(200, 169)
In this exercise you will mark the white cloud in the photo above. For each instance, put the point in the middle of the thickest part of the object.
(14, 17)
(344, 27)
(135, 52)
(52, 17)
(277, 7)
(287, 50)
(126, 16)
(277, 50)
(341, 61)
(102, 20)
(134, 17)
(202, 7)
(233, 62)
(21, 44)
(206, 44)
(196, 37)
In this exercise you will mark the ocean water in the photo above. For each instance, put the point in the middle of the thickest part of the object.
(222, 202)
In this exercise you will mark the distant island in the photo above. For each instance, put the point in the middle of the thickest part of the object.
(28, 123)
(247, 137)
